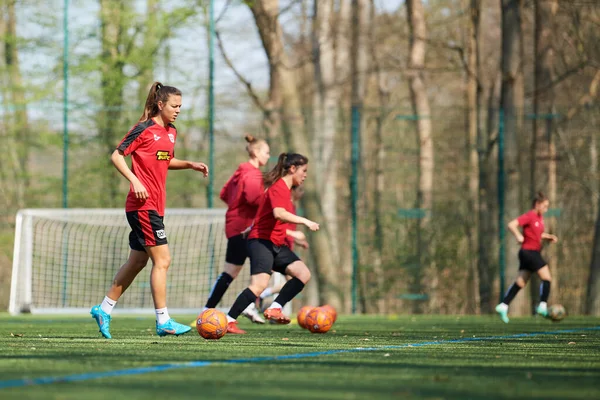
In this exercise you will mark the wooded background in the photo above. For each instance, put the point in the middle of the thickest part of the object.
(433, 123)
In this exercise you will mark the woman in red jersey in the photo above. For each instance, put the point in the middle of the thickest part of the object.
(241, 193)
(151, 144)
(292, 238)
(530, 258)
(266, 242)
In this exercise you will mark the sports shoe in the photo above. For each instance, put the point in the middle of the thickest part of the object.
(171, 328)
(252, 314)
(502, 310)
(233, 328)
(103, 320)
(542, 309)
(277, 316)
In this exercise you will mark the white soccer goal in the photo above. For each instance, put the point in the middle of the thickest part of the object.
(65, 259)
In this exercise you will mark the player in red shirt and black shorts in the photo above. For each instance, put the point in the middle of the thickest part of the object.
(530, 258)
(151, 144)
(242, 193)
(266, 242)
(292, 238)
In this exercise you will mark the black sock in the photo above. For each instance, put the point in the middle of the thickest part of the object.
(243, 300)
(289, 291)
(544, 291)
(511, 293)
(218, 290)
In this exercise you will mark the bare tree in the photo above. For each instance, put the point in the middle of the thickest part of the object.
(511, 104)
(283, 88)
(473, 92)
(18, 138)
(421, 109)
(325, 103)
(543, 146)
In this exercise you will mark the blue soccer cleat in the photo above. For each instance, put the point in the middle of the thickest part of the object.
(542, 309)
(103, 320)
(171, 328)
(502, 310)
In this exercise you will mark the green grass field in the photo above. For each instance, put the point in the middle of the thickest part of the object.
(427, 357)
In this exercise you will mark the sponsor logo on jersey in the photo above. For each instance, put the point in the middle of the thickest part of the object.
(163, 155)
(156, 137)
(172, 138)
(161, 234)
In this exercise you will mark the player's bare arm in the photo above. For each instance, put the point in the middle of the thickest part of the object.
(513, 227)
(176, 163)
(548, 236)
(283, 215)
(118, 160)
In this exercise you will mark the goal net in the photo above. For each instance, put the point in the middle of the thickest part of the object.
(65, 260)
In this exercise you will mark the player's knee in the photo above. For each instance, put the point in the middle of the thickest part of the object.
(304, 275)
(232, 270)
(138, 265)
(258, 287)
(163, 262)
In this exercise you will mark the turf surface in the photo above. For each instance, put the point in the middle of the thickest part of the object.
(427, 357)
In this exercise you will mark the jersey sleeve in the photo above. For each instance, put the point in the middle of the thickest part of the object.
(132, 140)
(524, 219)
(253, 188)
(224, 195)
(279, 196)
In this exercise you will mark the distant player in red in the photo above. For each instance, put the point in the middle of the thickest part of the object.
(242, 194)
(530, 258)
(151, 144)
(292, 238)
(266, 242)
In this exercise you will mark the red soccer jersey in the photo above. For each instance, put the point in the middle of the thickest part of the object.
(242, 194)
(151, 147)
(289, 241)
(265, 225)
(533, 227)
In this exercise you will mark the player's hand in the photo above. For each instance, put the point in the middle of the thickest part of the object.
(201, 167)
(313, 226)
(298, 235)
(246, 231)
(140, 191)
(303, 243)
(520, 239)
(553, 238)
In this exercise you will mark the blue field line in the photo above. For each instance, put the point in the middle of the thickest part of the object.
(196, 364)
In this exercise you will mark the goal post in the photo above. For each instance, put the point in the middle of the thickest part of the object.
(65, 259)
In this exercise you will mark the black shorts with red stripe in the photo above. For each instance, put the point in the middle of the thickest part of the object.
(147, 229)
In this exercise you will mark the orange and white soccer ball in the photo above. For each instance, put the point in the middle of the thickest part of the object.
(212, 324)
(329, 308)
(319, 320)
(301, 316)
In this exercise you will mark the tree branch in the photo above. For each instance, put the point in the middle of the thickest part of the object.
(243, 80)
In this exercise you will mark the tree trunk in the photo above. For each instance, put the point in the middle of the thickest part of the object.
(422, 112)
(542, 156)
(511, 103)
(326, 99)
(112, 16)
(592, 306)
(487, 201)
(283, 88)
(18, 130)
(472, 119)
(265, 14)
(150, 45)
(378, 186)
